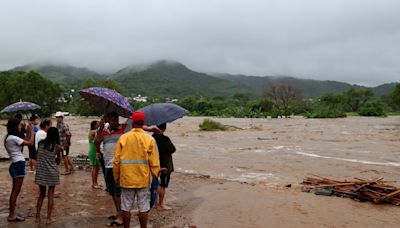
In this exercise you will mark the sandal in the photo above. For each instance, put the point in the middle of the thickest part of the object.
(115, 224)
(17, 219)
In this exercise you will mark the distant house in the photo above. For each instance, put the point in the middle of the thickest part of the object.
(139, 98)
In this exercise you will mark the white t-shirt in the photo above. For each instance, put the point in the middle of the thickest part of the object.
(14, 146)
(40, 135)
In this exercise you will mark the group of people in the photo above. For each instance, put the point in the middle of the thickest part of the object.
(129, 157)
(45, 145)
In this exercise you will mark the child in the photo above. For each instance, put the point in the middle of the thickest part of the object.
(166, 149)
(47, 173)
(93, 161)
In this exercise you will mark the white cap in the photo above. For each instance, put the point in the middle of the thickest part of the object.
(59, 114)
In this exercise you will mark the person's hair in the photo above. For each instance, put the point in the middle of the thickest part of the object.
(162, 126)
(44, 123)
(34, 117)
(112, 115)
(12, 128)
(93, 125)
(52, 139)
(18, 116)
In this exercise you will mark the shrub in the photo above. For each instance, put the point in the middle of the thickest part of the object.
(210, 125)
(372, 108)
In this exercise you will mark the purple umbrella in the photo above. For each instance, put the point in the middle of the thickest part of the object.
(107, 100)
(160, 113)
(20, 106)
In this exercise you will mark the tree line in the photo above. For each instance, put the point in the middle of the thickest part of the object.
(278, 100)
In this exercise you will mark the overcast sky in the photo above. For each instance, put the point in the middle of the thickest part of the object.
(356, 41)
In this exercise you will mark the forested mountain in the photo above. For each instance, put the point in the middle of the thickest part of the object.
(166, 78)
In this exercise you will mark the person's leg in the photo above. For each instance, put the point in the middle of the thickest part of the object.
(143, 217)
(66, 164)
(164, 182)
(39, 204)
(16, 188)
(50, 196)
(126, 215)
(115, 192)
(70, 164)
(95, 173)
(143, 200)
(34, 164)
(31, 164)
(117, 203)
(161, 194)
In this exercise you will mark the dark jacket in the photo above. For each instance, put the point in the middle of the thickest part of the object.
(165, 149)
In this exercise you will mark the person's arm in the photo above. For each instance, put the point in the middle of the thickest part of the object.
(116, 171)
(97, 141)
(170, 145)
(152, 128)
(30, 141)
(154, 159)
(67, 142)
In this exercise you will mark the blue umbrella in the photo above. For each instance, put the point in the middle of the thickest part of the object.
(107, 100)
(160, 113)
(20, 106)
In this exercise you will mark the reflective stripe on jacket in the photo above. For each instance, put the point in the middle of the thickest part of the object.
(136, 157)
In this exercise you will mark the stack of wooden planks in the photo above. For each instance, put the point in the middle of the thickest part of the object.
(374, 190)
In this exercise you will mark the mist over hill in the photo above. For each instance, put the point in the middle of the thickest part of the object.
(60, 73)
(168, 78)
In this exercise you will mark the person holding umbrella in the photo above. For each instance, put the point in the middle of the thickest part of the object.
(166, 148)
(14, 144)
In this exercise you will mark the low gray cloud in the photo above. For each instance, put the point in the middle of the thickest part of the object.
(356, 41)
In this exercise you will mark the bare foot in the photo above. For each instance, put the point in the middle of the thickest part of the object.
(57, 193)
(96, 186)
(163, 207)
(37, 220)
(50, 221)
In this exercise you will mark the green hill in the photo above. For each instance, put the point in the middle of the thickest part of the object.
(166, 78)
(384, 89)
(173, 79)
(309, 88)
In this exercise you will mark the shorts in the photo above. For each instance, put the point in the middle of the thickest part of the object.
(164, 179)
(17, 169)
(65, 152)
(112, 188)
(128, 198)
(32, 153)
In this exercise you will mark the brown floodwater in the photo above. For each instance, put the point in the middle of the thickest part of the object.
(267, 152)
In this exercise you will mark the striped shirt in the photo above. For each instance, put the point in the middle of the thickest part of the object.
(109, 140)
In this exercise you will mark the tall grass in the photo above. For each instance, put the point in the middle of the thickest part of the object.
(210, 125)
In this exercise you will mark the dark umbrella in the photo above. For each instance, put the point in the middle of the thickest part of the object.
(160, 113)
(20, 106)
(107, 100)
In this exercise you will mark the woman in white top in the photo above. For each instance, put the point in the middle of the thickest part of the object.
(14, 145)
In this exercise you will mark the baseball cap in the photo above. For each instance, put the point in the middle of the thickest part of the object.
(138, 117)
